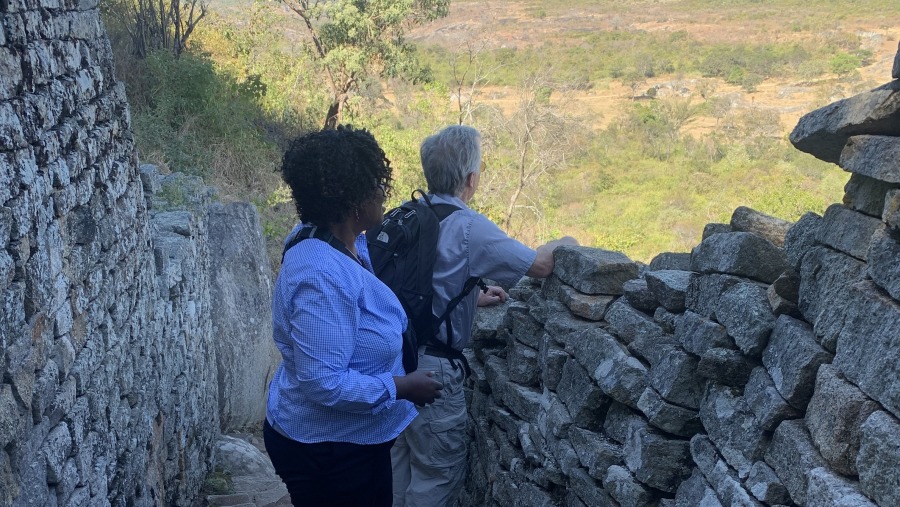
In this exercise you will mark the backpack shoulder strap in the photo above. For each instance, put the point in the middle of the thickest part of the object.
(320, 233)
(444, 210)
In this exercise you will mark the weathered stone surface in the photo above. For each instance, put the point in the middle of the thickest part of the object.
(656, 460)
(670, 260)
(740, 254)
(251, 470)
(638, 295)
(834, 417)
(793, 358)
(825, 280)
(719, 475)
(669, 287)
(619, 420)
(697, 334)
(745, 312)
(847, 231)
(675, 378)
(891, 214)
(522, 363)
(765, 485)
(827, 489)
(895, 71)
(696, 492)
(550, 289)
(670, 418)
(551, 359)
(652, 348)
(523, 401)
(525, 328)
(868, 346)
(783, 295)
(566, 456)
(592, 270)
(766, 402)
(879, 459)
(583, 305)
(884, 267)
(872, 156)
(508, 422)
(667, 320)
(793, 456)
(527, 287)
(710, 229)
(588, 490)
(731, 425)
(560, 324)
(704, 292)
(595, 451)
(801, 237)
(726, 366)
(824, 132)
(592, 347)
(625, 489)
(543, 309)
(627, 323)
(773, 229)
(240, 290)
(867, 195)
(488, 319)
(495, 371)
(622, 377)
(508, 490)
(586, 402)
(532, 450)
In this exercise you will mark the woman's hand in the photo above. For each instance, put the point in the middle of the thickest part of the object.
(419, 387)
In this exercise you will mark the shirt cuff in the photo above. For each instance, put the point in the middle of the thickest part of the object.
(387, 379)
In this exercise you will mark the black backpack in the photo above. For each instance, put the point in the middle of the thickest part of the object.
(403, 250)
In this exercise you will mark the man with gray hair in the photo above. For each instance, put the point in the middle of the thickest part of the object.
(429, 457)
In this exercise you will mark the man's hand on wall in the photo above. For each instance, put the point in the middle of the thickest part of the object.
(494, 296)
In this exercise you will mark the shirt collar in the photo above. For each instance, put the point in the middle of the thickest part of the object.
(451, 199)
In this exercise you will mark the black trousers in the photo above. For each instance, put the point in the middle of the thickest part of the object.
(332, 474)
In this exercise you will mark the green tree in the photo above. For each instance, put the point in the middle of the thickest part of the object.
(356, 40)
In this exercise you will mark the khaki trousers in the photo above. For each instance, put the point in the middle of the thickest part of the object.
(429, 457)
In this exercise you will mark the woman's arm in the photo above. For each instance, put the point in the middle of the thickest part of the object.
(324, 331)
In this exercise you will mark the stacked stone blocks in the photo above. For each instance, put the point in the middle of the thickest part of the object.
(760, 369)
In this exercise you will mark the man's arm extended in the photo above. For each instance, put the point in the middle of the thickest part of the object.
(543, 263)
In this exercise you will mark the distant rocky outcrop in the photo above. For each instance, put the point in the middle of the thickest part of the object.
(760, 369)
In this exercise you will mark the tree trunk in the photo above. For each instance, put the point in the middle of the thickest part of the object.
(334, 115)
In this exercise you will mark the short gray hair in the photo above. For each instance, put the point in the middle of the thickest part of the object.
(449, 157)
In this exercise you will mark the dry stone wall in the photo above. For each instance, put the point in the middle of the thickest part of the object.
(110, 320)
(762, 368)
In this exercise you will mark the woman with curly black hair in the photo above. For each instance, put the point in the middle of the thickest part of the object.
(340, 396)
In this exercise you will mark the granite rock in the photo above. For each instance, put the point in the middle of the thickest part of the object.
(824, 132)
(834, 419)
(772, 229)
(879, 459)
(740, 254)
(592, 270)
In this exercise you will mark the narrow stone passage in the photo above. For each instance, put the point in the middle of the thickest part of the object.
(242, 458)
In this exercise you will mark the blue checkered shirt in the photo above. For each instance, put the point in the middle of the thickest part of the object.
(338, 329)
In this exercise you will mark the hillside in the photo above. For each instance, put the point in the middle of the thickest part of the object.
(675, 112)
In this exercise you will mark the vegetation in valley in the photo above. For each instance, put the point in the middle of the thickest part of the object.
(679, 139)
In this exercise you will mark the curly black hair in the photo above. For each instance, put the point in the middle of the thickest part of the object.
(332, 172)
